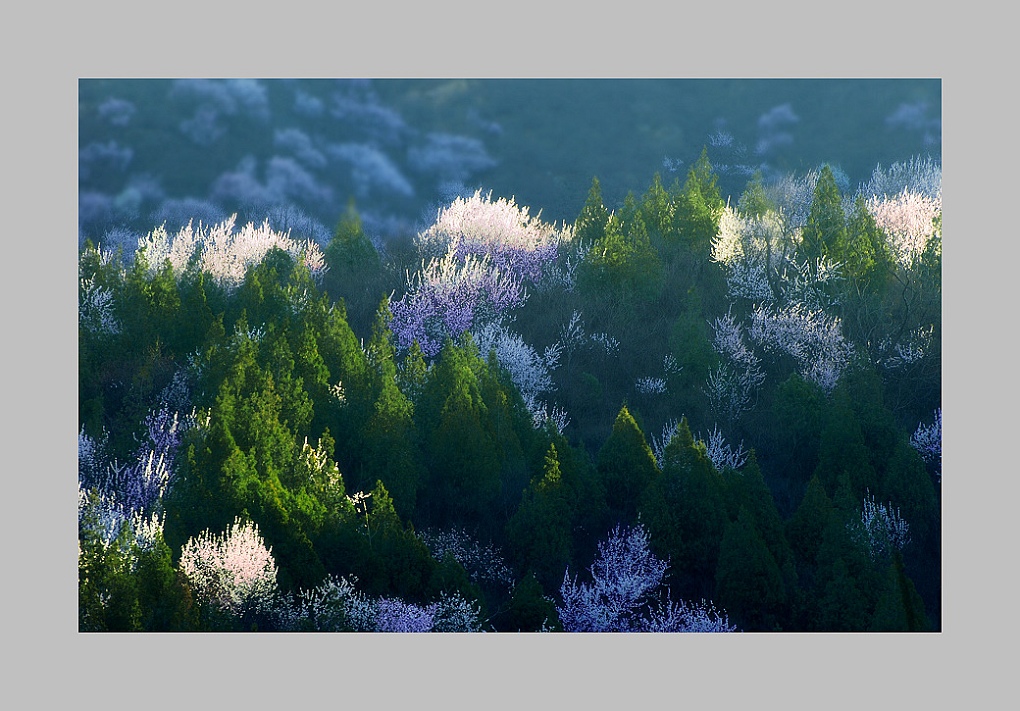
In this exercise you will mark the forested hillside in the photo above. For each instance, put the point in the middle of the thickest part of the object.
(689, 411)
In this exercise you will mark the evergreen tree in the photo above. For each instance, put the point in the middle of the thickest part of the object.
(626, 467)
(685, 513)
(699, 206)
(749, 583)
(826, 223)
(539, 532)
(590, 225)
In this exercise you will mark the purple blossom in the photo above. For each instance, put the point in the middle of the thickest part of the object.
(927, 440)
(449, 296)
(625, 596)
(395, 615)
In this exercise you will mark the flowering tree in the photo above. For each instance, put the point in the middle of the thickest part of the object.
(234, 571)
(139, 486)
(881, 528)
(624, 594)
(812, 338)
(483, 563)
(927, 440)
(721, 453)
(336, 605)
(515, 241)
(909, 221)
(530, 371)
(224, 252)
(448, 296)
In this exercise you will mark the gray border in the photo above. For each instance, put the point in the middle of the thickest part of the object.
(51, 49)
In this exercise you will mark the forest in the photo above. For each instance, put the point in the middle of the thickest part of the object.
(689, 410)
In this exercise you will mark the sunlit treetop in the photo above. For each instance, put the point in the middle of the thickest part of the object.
(224, 252)
(507, 233)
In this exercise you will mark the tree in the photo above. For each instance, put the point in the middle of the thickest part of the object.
(749, 583)
(626, 466)
(540, 530)
(699, 206)
(625, 593)
(590, 225)
(355, 269)
(685, 513)
(232, 572)
(826, 223)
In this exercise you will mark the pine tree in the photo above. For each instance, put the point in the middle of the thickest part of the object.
(699, 207)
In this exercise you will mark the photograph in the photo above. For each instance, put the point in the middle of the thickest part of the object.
(524, 356)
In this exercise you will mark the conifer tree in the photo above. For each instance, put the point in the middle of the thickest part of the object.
(749, 583)
(590, 225)
(626, 466)
(540, 530)
(699, 206)
(826, 222)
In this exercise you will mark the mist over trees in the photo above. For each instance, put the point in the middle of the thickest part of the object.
(689, 410)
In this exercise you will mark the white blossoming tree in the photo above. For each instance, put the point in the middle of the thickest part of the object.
(625, 593)
(234, 571)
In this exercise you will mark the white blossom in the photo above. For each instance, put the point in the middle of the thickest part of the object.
(908, 221)
(95, 308)
(625, 593)
(927, 440)
(882, 529)
(483, 563)
(234, 571)
(650, 386)
(812, 338)
(223, 252)
(721, 454)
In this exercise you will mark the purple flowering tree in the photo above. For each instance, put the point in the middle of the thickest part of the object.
(448, 296)
(927, 440)
(625, 593)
